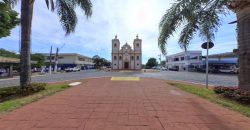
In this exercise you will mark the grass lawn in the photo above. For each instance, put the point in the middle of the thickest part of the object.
(21, 101)
(210, 95)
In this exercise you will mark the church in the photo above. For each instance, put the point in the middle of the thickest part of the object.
(126, 57)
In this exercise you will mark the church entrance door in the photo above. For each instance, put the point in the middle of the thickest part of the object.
(126, 65)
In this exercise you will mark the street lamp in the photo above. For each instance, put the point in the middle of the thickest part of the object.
(207, 45)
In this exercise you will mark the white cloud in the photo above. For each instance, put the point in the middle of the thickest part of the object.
(93, 36)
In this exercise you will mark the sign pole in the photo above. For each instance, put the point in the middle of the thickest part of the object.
(207, 45)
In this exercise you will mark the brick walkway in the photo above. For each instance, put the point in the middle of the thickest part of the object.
(101, 104)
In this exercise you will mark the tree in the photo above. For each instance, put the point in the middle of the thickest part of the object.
(99, 61)
(8, 19)
(203, 16)
(6, 53)
(151, 63)
(67, 15)
(39, 58)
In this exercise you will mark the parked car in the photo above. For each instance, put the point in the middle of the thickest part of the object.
(154, 67)
(74, 69)
(164, 69)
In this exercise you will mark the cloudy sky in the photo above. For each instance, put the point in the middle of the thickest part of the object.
(110, 17)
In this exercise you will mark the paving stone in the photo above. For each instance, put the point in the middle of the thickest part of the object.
(102, 104)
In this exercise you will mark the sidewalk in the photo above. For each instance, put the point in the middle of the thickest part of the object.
(102, 104)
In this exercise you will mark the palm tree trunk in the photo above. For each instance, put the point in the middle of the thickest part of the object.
(26, 23)
(243, 23)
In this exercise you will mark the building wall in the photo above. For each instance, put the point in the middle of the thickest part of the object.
(184, 60)
(75, 59)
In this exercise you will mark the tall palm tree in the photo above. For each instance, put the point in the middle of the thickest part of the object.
(68, 18)
(203, 17)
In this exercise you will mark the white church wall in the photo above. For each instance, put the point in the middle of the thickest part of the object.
(125, 53)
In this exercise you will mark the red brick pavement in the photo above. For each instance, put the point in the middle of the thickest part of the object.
(101, 104)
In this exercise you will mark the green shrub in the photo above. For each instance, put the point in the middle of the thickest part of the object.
(8, 91)
(32, 88)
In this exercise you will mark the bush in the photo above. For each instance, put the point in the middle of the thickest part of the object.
(8, 91)
(234, 93)
(32, 88)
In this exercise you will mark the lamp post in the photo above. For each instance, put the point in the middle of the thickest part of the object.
(207, 45)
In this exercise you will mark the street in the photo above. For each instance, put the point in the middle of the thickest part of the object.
(214, 79)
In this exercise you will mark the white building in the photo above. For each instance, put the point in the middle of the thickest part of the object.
(126, 57)
(184, 61)
(70, 60)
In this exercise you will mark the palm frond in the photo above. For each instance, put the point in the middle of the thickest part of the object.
(67, 15)
(86, 6)
(187, 35)
(11, 3)
(66, 12)
(191, 16)
(169, 22)
(50, 4)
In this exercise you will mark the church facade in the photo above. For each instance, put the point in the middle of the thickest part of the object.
(126, 57)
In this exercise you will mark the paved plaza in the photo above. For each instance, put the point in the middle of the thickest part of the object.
(105, 104)
(214, 79)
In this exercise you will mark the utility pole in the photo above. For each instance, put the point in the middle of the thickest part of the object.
(50, 58)
(56, 57)
(56, 60)
(160, 58)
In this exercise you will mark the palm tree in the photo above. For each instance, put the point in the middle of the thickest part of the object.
(203, 17)
(68, 18)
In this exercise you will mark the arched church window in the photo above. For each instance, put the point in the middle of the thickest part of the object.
(114, 45)
(138, 58)
(137, 44)
(114, 57)
(132, 57)
(120, 58)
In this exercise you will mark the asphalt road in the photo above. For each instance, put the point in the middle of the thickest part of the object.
(214, 79)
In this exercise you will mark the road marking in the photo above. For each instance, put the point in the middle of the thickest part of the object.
(74, 83)
(174, 92)
(125, 78)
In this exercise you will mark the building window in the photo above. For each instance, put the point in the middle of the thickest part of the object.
(182, 58)
(137, 44)
(132, 57)
(120, 57)
(137, 64)
(194, 58)
(138, 58)
(114, 57)
(115, 45)
(114, 64)
(81, 59)
(60, 57)
(176, 59)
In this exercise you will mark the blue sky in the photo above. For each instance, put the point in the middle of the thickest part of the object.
(110, 17)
